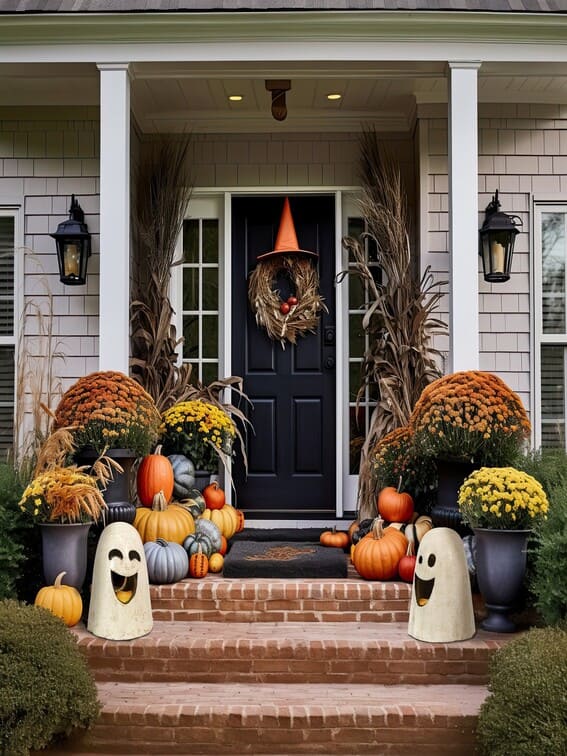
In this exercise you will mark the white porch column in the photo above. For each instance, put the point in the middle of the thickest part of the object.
(463, 215)
(114, 318)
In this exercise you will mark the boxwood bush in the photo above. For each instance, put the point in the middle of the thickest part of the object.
(525, 711)
(46, 688)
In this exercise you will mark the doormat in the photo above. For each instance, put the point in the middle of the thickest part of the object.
(277, 534)
(284, 559)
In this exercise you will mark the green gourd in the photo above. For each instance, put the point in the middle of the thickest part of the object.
(211, 530)
(197, 541)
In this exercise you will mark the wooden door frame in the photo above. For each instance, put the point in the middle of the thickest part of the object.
(345, 484)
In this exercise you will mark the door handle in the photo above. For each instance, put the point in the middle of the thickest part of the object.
(329, 363)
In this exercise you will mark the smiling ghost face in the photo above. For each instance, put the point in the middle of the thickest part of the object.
(441, 608)
(120, 607)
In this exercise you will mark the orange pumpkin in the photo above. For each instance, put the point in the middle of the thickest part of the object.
(198, 564)
(395, 505)
(163, 520)
(155, 474)
(64, 601)
(214, 496)
(223, 545)
(406, 567)
(225, 519)
(240, 518)
(377, 555)
(334, 537)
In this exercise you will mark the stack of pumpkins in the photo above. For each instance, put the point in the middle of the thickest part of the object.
(185, 532)
(385, 547)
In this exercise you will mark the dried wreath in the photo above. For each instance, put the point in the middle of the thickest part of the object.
(284, 320)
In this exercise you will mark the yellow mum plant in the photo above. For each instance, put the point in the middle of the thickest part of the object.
(63, 495)
(502, 498)
(199, 430)
(470, 416)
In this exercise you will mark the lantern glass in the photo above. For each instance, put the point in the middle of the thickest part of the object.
(73, 247)
(496, 242)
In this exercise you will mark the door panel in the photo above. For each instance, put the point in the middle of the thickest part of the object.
(291, 452)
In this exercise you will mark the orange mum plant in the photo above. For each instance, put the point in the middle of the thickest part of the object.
(109, 410)
(470, 416)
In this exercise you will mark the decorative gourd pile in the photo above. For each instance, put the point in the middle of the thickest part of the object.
(185, 532)
(384, 547)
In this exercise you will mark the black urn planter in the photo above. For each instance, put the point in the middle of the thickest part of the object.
(450, 477)
(118, 489)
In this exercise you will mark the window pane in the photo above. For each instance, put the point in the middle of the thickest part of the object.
(6, 397)
(355, 292)
(553, 272)
(210, 336)
(210, 372)
(210, 289)
(191, 241)
(190, 288)
(190, 337)
(210, 241)
(553, 396)
(356, 336)
(6, 276)
(354, 379)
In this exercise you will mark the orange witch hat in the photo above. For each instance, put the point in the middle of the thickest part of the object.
(286, 240)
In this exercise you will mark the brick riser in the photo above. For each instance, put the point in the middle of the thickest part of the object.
(270, 653)
(265, 600)
(261, 719)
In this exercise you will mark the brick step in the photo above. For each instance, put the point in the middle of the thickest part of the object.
(238, 718)
(342, 652)
(217, 599)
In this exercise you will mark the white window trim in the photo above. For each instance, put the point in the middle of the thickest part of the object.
(539, 206)
(15, 211)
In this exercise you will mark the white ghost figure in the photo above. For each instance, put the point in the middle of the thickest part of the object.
(441, 609)
(120, 607)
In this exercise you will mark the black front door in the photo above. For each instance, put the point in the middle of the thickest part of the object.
(291, 451)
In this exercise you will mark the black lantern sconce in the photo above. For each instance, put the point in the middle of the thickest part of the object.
(496, 242)
(73, 246)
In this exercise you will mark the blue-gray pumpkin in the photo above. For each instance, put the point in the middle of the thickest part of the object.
(167, 561)
(183, 475)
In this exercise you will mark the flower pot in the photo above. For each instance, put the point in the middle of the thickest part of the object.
(500, 557)
(118, 489)
(450, 477)
(202, 479)
(64, 549)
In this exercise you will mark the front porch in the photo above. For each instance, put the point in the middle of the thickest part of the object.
(274, 666)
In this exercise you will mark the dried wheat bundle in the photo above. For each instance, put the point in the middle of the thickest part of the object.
(265, 301)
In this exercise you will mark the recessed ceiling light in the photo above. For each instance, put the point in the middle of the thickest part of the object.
(235, 98)
(334, 96)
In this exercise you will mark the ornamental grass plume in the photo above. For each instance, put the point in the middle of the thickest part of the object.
(109, 410)
(502, 498)
(470, 416)
(201, 431)
(63, 495)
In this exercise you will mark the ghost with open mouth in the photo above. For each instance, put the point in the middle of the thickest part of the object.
(441, 609)
(120, 607)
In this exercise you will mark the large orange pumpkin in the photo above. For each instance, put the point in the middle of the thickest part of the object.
(377, 555)
(395, 505)
(155, 474)
(163, 520)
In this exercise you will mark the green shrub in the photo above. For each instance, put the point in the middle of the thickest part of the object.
(46, 688)
(549, 466)
(14, 530)
(548, 581)
(525, 712)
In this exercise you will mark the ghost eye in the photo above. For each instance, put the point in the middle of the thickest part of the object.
(420, 559)
(134, 555)
(431, 560)
(115, 553)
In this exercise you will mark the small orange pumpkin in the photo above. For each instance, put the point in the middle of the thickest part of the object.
(214, 496)
(223, 545)
(395, 505)
(377, 555)
(64, 601)
(155, 474)
(335, 538)
(198, 564)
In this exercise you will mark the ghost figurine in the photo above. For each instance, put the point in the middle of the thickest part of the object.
(441, 608)
(120, 606)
